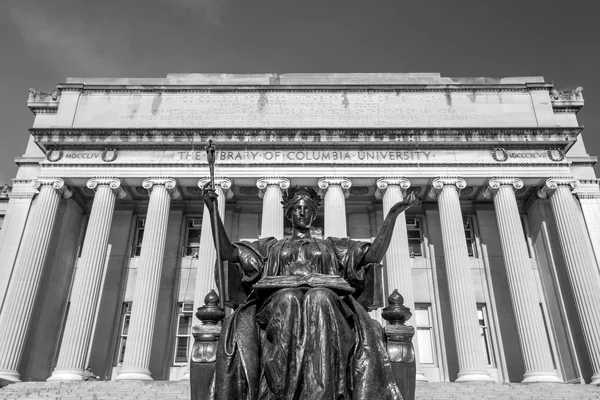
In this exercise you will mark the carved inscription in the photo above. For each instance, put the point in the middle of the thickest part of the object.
(307, 156)
(313, 157)
(305, 109)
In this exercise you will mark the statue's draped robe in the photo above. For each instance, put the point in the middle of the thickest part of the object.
(302, 343)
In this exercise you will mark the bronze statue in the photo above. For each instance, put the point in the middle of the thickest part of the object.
(302, 334)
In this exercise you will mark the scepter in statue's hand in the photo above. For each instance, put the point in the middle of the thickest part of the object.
(210, 196)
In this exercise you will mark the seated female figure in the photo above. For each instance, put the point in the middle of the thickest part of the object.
(301, 334)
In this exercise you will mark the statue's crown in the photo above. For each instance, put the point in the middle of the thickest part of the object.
(303, 192)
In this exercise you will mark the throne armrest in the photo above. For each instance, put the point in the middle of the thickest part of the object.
(204, 350)
(401, 351)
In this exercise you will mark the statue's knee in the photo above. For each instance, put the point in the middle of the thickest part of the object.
(318, 296)
(292, 297)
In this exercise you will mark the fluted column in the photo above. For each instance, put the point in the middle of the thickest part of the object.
(24, 285)
(588, 194)
(335, 191)
(143, 313)
(272, 211)
(207, 256)
(460, 284)
(579, 261)
(397, 258)
(537, 358)
(86, 288)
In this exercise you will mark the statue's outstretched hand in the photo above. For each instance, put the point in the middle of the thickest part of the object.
(405, 204)
(209, 197)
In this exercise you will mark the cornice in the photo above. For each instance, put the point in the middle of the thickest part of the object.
(401, 88)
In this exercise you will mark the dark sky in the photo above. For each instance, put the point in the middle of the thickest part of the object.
(43, 42)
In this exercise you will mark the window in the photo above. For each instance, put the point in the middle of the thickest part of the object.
(424, 333)
(184, 330)
(1, 221)
(139, 237)
(123, 331)
(194, 227)
(415, 236)
(470, 235)
(484, 333)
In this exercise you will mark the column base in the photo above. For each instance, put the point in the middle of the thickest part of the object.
(12, 376)
(186, 376)
(59, 375)
(420, 377)
(134, 374)
(595, 379)
(474, 376)
(541, 377)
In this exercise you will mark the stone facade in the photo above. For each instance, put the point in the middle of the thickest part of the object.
(104, 251)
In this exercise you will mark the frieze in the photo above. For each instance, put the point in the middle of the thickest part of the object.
(317, 157)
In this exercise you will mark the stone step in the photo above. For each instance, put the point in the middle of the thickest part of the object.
(180, 390)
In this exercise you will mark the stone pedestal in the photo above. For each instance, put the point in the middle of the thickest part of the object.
(25, 282)
(272, 210)
(86, 289)
(579, 261)
(460, 284)
(136, 361)
(335, 191)
(537, 358)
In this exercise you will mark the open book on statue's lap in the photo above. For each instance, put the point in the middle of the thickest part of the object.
(333, 282)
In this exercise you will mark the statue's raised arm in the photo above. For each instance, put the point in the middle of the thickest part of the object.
(226, 249)
(382, 240)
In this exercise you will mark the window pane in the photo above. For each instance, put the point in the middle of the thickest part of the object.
(414, 235)
(181, 355)
(125, 325)
(190, 251)
(185, 324)
(425, 346)
(194, 237)
(422, 317)
(122, 349)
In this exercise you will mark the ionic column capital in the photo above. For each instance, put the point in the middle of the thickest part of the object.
(223, 183)
(495, 183)
(168, 183)
(439, 183)
(263, 183)
(57, 183)
(553, 183)
(588, 189)
(383, 183)
(113, 183)
(324, 184)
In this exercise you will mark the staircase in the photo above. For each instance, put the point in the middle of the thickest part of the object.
(180, 390)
